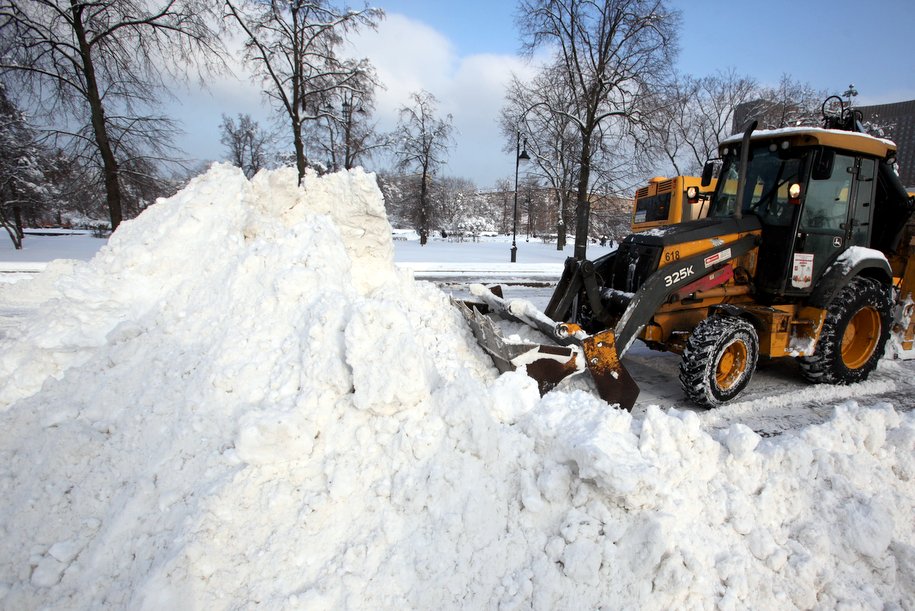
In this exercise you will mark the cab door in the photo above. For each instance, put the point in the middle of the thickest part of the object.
(836, 215)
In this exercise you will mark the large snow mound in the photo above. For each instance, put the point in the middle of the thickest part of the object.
(240, 402)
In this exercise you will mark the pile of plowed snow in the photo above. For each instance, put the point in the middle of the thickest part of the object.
(241, 402)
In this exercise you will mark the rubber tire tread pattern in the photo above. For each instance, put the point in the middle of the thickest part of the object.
(697, 367)
(825, 365)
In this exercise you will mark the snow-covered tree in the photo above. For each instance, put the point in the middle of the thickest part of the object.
(420, 143)
(608, 56)
(23, 185)
(97, 69)
(293, 47)
(247, 144)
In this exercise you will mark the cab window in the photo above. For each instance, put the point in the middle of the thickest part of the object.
(769, 174)
(652, 208)
(826, 202)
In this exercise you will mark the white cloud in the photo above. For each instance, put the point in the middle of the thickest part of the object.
(410, 56)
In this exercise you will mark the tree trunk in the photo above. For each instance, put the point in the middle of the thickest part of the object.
(17, 215)
(14, 235)
(583, 205)
(299, 148)
(17, 218)
(97, 111)
(423, 216)
(561, 221)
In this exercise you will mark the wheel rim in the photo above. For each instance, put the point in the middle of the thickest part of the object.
(731, 366)
(860, 338)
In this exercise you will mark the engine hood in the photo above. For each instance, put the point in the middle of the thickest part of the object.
(691, 231)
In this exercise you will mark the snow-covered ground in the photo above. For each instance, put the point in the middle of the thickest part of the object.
(242, 401)
(439, 260)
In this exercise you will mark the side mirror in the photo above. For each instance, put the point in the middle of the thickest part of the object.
(707, 171)
(822, 164)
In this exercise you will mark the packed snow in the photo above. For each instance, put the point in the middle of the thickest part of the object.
(241, 401)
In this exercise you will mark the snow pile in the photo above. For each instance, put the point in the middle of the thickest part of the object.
(241, 402)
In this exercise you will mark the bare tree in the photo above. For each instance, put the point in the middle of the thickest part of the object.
(247, 144)
(293, 48)
(608, 54)
(421, 143)
(696, 114)
(502, 203)
(345, 135)
(104, 63)
(788, 104)
(542, 111)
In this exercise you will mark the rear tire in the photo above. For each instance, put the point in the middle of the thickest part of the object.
(719, 360)
(853, 337)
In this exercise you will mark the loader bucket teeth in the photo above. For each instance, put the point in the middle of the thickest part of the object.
(614, 384)
(488, 338)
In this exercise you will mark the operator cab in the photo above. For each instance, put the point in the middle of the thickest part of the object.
(813, 191)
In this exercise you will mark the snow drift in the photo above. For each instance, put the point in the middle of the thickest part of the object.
(241, 402)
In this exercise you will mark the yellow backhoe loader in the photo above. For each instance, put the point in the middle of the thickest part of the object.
(807, 252)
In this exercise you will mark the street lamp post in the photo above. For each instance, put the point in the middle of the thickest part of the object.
(520, 155)
(347, 124)
(850, 93)
(530, 216)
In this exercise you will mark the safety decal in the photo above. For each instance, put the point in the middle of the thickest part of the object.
(718, 257)
(802, 272)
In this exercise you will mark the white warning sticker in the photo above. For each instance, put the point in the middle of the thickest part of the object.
(802, 272)
(718, 257)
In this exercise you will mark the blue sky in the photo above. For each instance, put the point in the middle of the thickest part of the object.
(464, 52)
(829, 44)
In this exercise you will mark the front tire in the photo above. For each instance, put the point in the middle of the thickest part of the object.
(853, 337)
(719, 360)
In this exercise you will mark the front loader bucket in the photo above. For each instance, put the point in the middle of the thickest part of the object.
(614, 384)
(550, 364)
(547, 364)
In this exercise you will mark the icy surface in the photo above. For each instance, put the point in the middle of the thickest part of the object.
(240, 402)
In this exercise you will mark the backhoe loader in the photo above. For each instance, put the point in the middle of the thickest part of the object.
(807, 252)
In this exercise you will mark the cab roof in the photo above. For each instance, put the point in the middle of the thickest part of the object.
(816, 136)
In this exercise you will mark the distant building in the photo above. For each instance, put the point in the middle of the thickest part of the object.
(897, 121)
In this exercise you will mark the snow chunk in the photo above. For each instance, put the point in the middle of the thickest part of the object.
(381, 333)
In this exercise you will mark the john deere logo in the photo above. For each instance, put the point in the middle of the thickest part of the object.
(837, 242)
